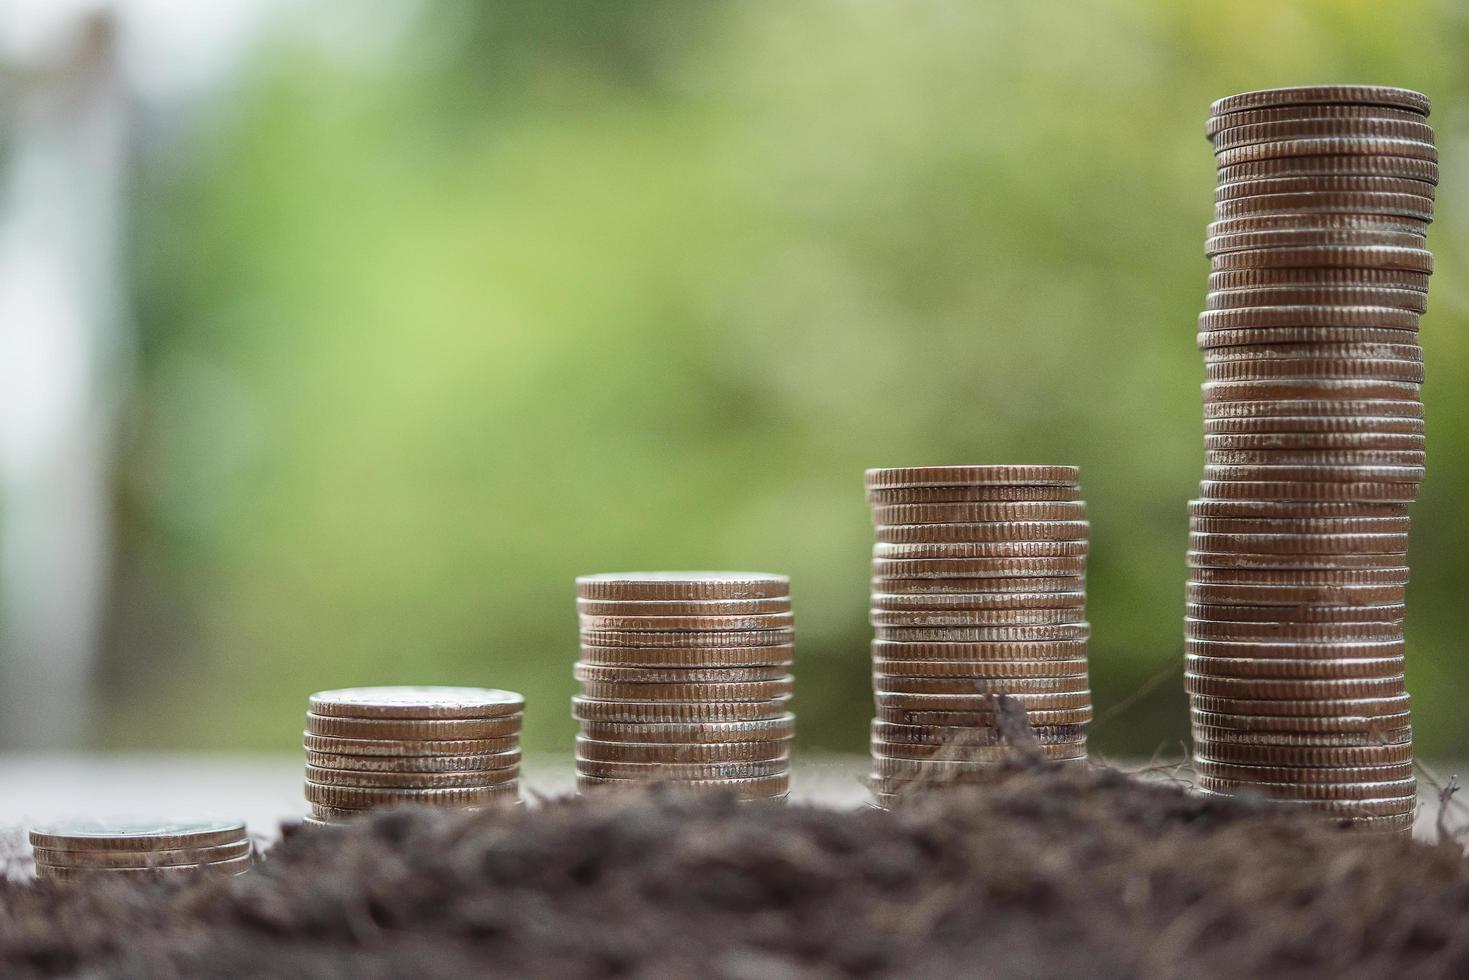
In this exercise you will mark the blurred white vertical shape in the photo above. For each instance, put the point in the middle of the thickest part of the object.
(63, 359)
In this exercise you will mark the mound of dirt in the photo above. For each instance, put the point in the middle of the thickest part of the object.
(1042, 873)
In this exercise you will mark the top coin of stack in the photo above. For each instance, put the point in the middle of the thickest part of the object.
(1314, 447)
(978, 589)
(160, 848)
(370, 747)
(684, 680)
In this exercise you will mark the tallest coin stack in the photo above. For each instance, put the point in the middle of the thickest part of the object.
(1314, 448)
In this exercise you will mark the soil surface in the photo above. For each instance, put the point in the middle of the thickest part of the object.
(1043, 873)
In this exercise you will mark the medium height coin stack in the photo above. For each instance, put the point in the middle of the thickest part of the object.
(684, 681)
(978, 589)
(372, 747)
(1314, 445)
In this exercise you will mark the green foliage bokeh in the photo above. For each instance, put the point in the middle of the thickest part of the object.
(569, 287)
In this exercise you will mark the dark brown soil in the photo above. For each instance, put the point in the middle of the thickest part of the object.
(1044, 873)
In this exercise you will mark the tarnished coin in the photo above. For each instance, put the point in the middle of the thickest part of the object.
(676, 675)
(683, 607)
(755, 787)
(1333, 408)
(1314, 474)
(967, 618)
(891, 589)
(1402, 348)
(1376, 708)
(1223, 559)
(1299, 525)
(1360, 545)
(508, 759)
(590, 709)
(941, 568)
(135, 834)
(1310, 318)
(505, 796)
(1343, 113)
(1414, 259)
(180, 857)
(1294, 510)
(778, 655)
(769, 750)
(227, 867)
(1303, 774)
(1326, 739)
(971, 493)
(1352, 632)
(1278, 668)
(1352, 458)
(1331, 95)
(1367, 492)
(960, 652)
(941, 476)
(1246, 134)
(884, 683)
(1217, 246)
(1329, 441)
(1304, 613)
(660, 771)
(1263, 689)
(988, 549)
(683, 586)
(1288, 597)
(1328, 146)
(1414, 300)
(1309, 368)
(431, 729)
(886, 769)
(685, 639)
(409, 747)
(1320, 166)
(672, 624)
(978, 669)
(1316, 221)
(769, 729)
(1269, 278)
(1218, 343)
(1309, 756)
(981, 703)
(1400, 205)
(1213, 720)
(1386, 789)
(362, 798)
(323, 776)
(978, 600)
(1268, 186)
(417, 703)
(1310, 389)
(1038, 717)
(979, 512)
(1298, 650)
(989, 634)
(990, 531)
(692, 691)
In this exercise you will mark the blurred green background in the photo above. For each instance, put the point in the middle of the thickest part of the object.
(562, 287)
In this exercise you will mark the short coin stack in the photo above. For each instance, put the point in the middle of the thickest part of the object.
(371, 747)
(684, 681)
(1315, 447)
(978, 589)
(130, 848)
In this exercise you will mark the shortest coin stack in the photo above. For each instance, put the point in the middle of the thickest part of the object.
(684, 681)
(977, 590)
(449, 747)
(130, 848)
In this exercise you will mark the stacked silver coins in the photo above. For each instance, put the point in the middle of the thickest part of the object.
(978, 589)
(1314, 448)
(685, 681)
(132, 848)
(371, 747)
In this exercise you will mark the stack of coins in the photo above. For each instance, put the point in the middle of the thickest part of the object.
(371, 747)
(684, 681)
(978, 589)
(1315, 447)
(132, 848)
